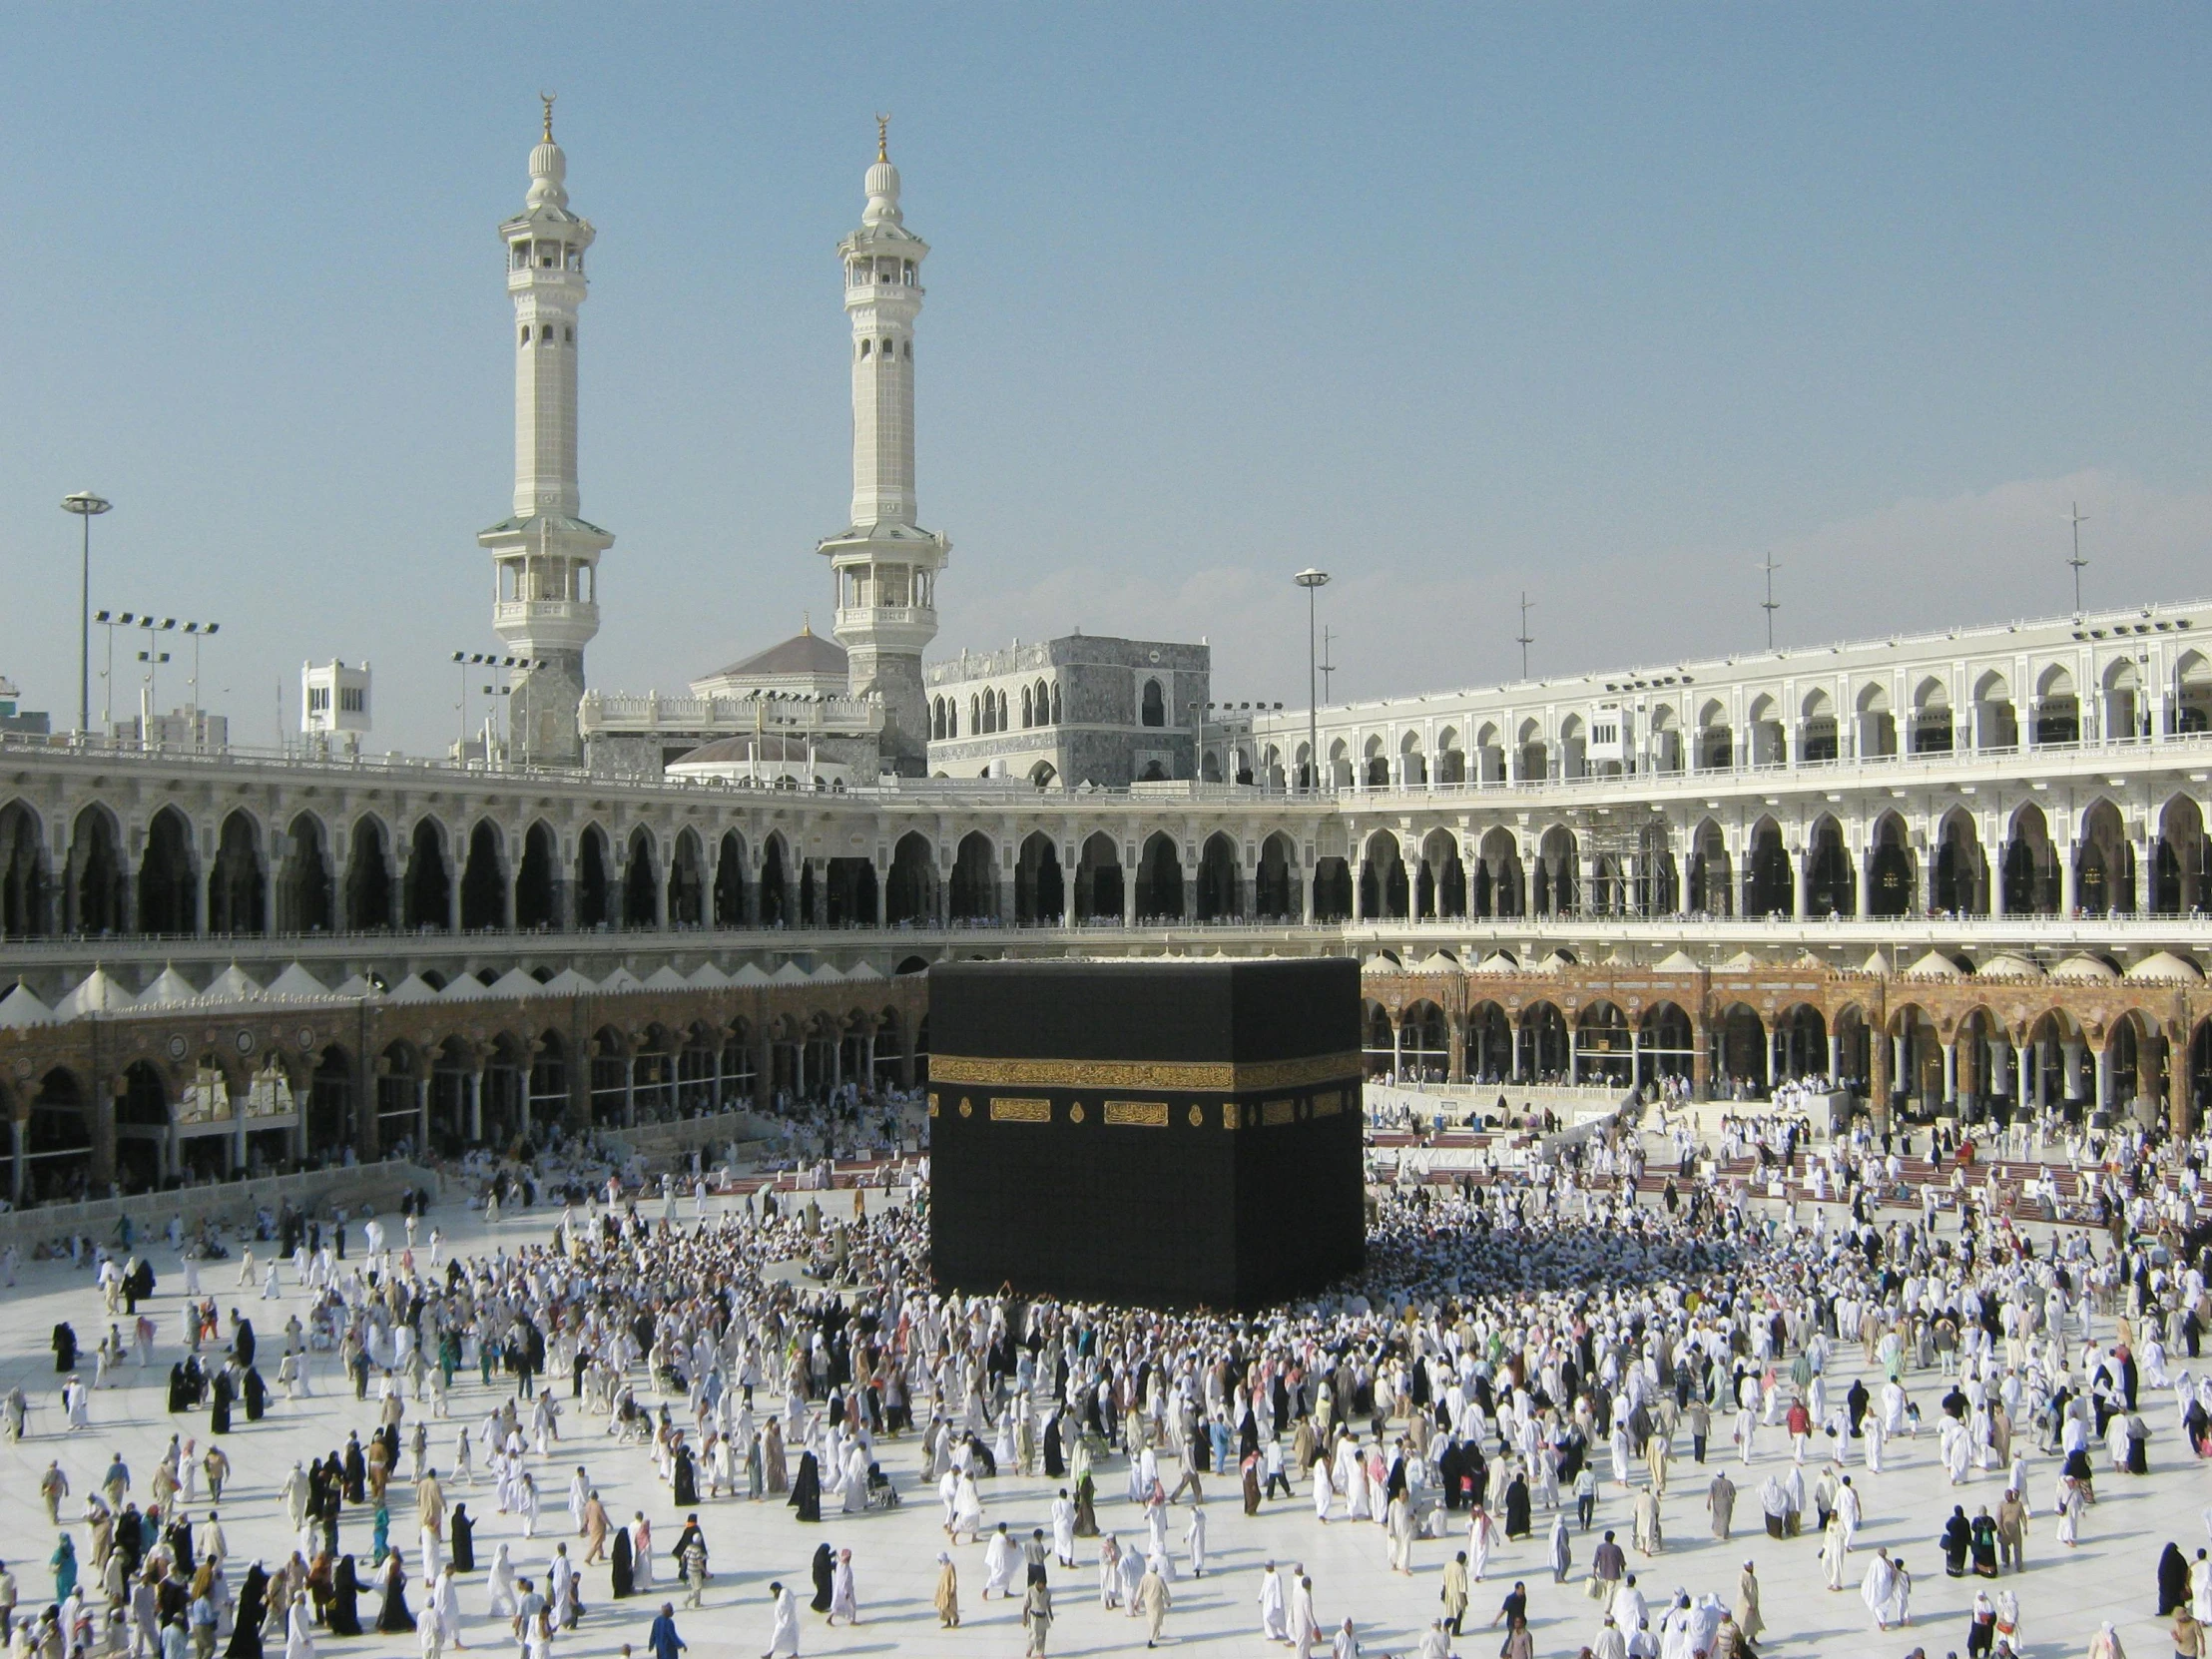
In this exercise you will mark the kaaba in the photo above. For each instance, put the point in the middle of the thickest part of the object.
(1154, 1134)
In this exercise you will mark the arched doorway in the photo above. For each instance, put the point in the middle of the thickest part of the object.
(974, 896)
(236, 894)
(426, 893)
(1040, 895)
(1218, 895)
(484, 881)
(167, 883)
(1098, 894)
(910, 892)
(1160, 880)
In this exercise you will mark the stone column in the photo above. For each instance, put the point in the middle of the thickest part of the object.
(1880, 1080)
(476, 1107)
(2102, 1101)
(1457, 1040)
(422, 1116)
(1398, 1051)
(1129, 894)
(2071, 1061)
(2068, 893)
(1801, 884)
(1835, 1056)
(1902, 1063)
(1305, 880)
(629, 1091)
(2020, 1076)
(1701, 1062)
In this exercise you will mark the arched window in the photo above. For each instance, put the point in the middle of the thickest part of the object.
(909, 350)
(1056, 703)
(526, 334)
(568, 336)
(976, 724)
(1155, 708)
(866, 346)
(545, 334)
(1002, 711)
(1028, 713)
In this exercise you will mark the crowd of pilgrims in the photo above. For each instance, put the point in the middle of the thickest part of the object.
(1507, 1345)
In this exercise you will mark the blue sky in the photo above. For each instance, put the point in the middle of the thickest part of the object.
(1600, 303)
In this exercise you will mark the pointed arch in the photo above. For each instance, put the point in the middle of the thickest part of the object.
(484, 879)
(641, 882)
(911, 891)
(974, 894)
(595, 898)
(427, 892)
(25, 902)
(1218, 893)
(731, 871)
(1098, 879)
(1160, 879)
(305, 890)
(237, 888)
(368, 878)
(1385, 891)
(1040, 890)
(168, 880)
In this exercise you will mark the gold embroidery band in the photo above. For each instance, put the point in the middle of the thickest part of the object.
(1138, 1114)
(1207, 1076)
(1272, 1112)
(1005, 1109)
(1328, 1105)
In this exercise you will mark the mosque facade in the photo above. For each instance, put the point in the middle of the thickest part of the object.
(1952, 871)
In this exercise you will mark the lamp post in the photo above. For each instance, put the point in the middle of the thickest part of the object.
(199, 632)
(111, 621)
(1312, 581)
(87, 506)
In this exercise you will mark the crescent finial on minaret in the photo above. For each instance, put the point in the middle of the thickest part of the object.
(546, 98)
(883, 137)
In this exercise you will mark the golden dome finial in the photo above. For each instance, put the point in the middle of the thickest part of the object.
(546, 98)
(883, 137)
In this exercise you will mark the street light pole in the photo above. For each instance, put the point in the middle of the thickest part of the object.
(1312, 581)
(87, 506)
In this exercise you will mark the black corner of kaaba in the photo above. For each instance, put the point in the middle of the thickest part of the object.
(1159, 1134)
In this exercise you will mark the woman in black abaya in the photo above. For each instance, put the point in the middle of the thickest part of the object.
(807, 1489)
(623, 1569)
(252, 1607)
(464, 1539)
(825, 1571)
(1055, 1465)
(394, 1616)
(345, 1591)
(686, 1479)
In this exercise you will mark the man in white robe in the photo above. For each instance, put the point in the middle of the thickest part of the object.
(1274, 1617)
(999, 1557)
(782, 1639)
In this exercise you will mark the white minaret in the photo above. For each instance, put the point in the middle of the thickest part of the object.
(545, 559)
(885, 566)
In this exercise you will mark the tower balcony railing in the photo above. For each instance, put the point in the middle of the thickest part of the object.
(509, 613)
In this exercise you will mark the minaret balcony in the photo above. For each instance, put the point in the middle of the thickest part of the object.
(896, 627)
(551, 623)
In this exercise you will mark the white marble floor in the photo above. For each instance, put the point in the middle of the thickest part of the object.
(2064, 1594)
